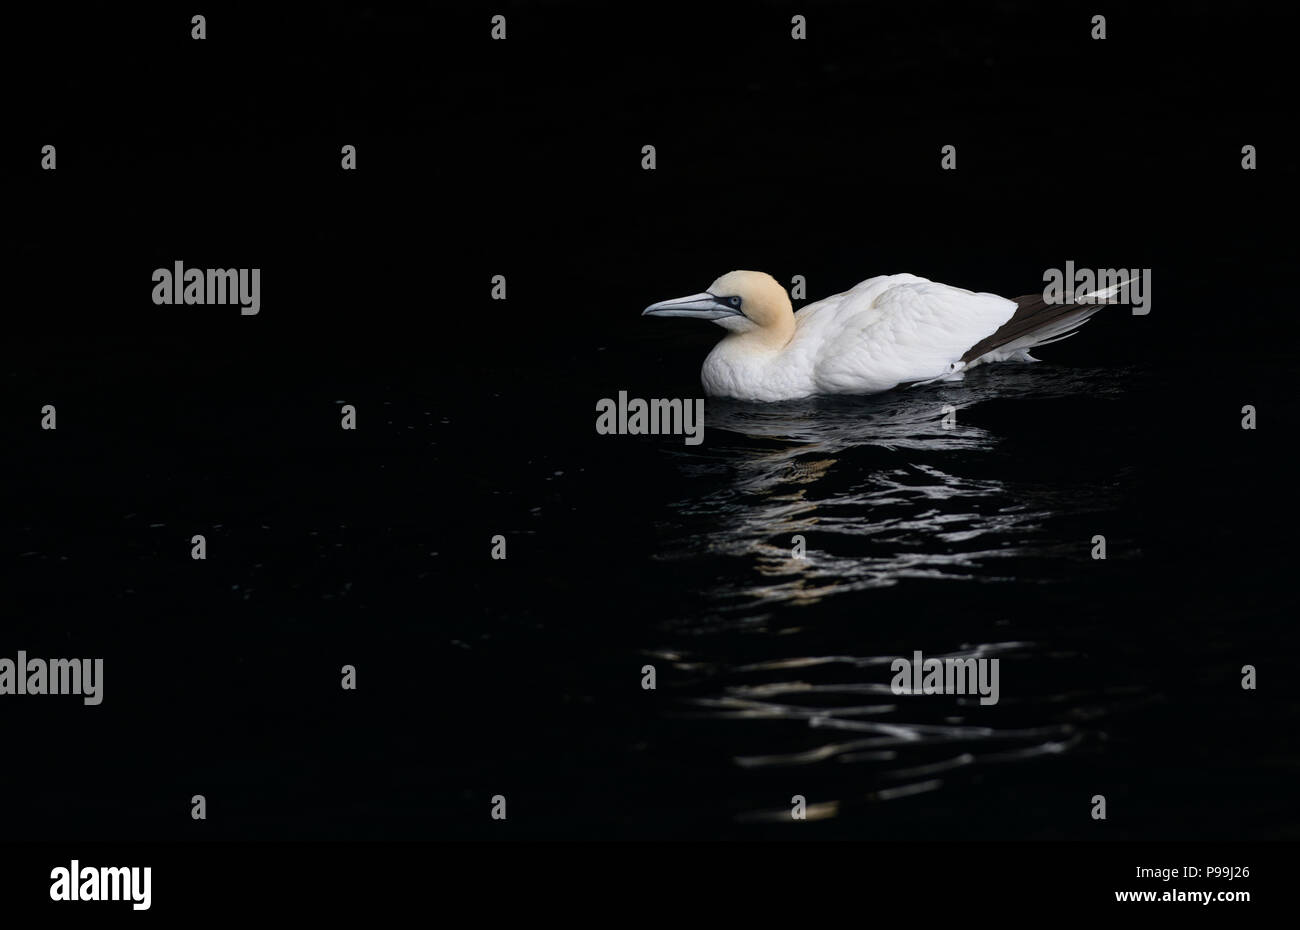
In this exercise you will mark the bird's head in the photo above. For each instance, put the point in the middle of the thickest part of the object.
(740, 301)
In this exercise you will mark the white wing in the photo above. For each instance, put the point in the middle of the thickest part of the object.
(894, 329)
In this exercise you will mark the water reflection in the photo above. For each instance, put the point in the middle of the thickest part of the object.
(881, 494)
(877, 487)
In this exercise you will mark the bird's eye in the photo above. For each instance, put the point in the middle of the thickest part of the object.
(734, 301)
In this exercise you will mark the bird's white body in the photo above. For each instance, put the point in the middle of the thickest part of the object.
(886, 331)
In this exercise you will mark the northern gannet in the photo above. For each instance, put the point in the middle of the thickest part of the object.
(886, 331)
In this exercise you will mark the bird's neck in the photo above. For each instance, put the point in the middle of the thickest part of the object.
(766, 339)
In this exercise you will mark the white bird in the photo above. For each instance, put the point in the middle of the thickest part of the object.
(888, 330)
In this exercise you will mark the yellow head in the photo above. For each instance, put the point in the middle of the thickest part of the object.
(742, 302)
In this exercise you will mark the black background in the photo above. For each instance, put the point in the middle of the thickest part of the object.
(523, 158)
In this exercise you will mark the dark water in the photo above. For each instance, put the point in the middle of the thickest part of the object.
(774, 672)
(523, 676)
(786, 661)
(967, 542)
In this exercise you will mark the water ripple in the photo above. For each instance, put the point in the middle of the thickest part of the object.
(882, 496)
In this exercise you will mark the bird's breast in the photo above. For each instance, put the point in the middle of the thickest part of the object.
(746, 374)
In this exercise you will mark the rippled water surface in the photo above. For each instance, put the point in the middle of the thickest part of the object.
(919, 537)
(975, 541)
(524, 676)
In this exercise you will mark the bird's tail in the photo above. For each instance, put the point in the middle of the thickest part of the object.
(1037, 323)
